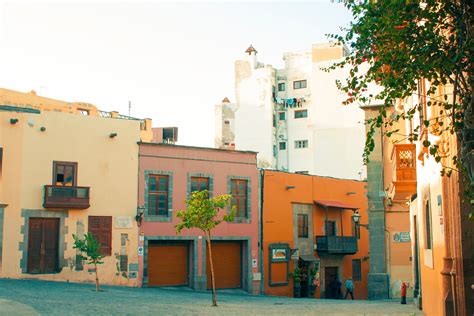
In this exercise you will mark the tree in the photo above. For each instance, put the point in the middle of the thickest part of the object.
(202, 212)
(90, 250)
(401, 44)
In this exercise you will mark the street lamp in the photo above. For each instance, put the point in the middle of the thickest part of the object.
(139, 216)
(356, 217)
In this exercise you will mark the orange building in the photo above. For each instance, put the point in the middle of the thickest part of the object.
(309, 226)
(419, 200)
(442, 232)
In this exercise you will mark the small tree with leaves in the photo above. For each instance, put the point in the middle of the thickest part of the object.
(202, 212)
(90, 251)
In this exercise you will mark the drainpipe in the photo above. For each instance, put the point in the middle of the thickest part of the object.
(262, 279)
(387, 232)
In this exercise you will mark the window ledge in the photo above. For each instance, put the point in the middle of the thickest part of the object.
(158, 218)
(241, 220)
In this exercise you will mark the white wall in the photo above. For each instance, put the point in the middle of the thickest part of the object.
(335, 133)
(339, 130)
(254, 114)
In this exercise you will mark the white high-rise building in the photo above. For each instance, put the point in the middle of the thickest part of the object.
(294, 117)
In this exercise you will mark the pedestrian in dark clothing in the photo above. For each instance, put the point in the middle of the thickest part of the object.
(349, 288)
(339, 289)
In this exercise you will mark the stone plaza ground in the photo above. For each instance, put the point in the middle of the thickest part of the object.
(32, 297)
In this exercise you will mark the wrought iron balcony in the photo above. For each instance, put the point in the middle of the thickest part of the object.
(66, 197)
(403, 171)
(336, 245)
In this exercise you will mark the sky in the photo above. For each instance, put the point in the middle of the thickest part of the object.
(173, 60)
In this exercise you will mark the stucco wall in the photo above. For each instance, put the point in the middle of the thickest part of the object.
(254, 111)
(107, 165)
(181, 162)
(328, 122)
(279, 224)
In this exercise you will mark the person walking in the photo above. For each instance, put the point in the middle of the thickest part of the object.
(339, 289)
(349, 288)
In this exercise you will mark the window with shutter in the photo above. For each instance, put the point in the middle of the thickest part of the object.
(302, 226)
(238, 190)
(199, 184)
(65, 173)
(158, 187)
(101, 229)
(356, 270)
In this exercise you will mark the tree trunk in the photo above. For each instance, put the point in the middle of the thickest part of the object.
(214, 300)
(96, 278)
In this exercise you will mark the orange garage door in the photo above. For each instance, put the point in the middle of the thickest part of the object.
(167, 265)
(227, 259)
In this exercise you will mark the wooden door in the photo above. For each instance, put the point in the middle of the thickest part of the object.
(168, 265)
(330, 284)
(43, 235)
(330, 228)
(227, 259)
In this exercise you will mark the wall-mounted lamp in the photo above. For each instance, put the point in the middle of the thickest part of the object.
(139, 216)
(289, 187)
(13, 121)
(112, 135)
(356, 217)
(42, 128)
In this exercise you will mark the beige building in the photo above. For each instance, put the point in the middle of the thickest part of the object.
(67, 168)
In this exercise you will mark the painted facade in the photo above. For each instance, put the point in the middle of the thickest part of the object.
(292, 202)
(61, 174)
(443, 233)
(171, 172)
(289, 110)
(416, 196)
(389, 218)
(33, 101)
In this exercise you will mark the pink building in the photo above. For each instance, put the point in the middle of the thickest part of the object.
(167, 176)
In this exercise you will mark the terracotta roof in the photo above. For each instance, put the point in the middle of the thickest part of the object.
(335, 204)
(226, 100)
(251, 49)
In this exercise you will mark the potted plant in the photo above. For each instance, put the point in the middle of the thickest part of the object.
(296, 275)
(313, 272)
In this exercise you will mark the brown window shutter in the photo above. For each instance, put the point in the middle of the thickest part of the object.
(101, 228)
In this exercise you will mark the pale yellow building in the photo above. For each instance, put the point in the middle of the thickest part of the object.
(67, 168)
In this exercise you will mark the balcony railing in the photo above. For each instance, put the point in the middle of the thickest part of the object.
(403, 171)
(66, 197)
(336, 245)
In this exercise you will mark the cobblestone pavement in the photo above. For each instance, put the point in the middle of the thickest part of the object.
(32, 297)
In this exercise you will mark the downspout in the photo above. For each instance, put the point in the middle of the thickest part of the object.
(136, 210)
(287, 125)
(262, 279)
(387, 232)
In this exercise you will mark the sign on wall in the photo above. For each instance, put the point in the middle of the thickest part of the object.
(279, 254)
(123, 222)
(140, 251)
(401, 237)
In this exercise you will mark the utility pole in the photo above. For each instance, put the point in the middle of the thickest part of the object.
(129, 107)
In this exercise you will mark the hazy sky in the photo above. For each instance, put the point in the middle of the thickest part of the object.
(174, 61)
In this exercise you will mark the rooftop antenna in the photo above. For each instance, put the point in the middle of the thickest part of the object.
(129, 107)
